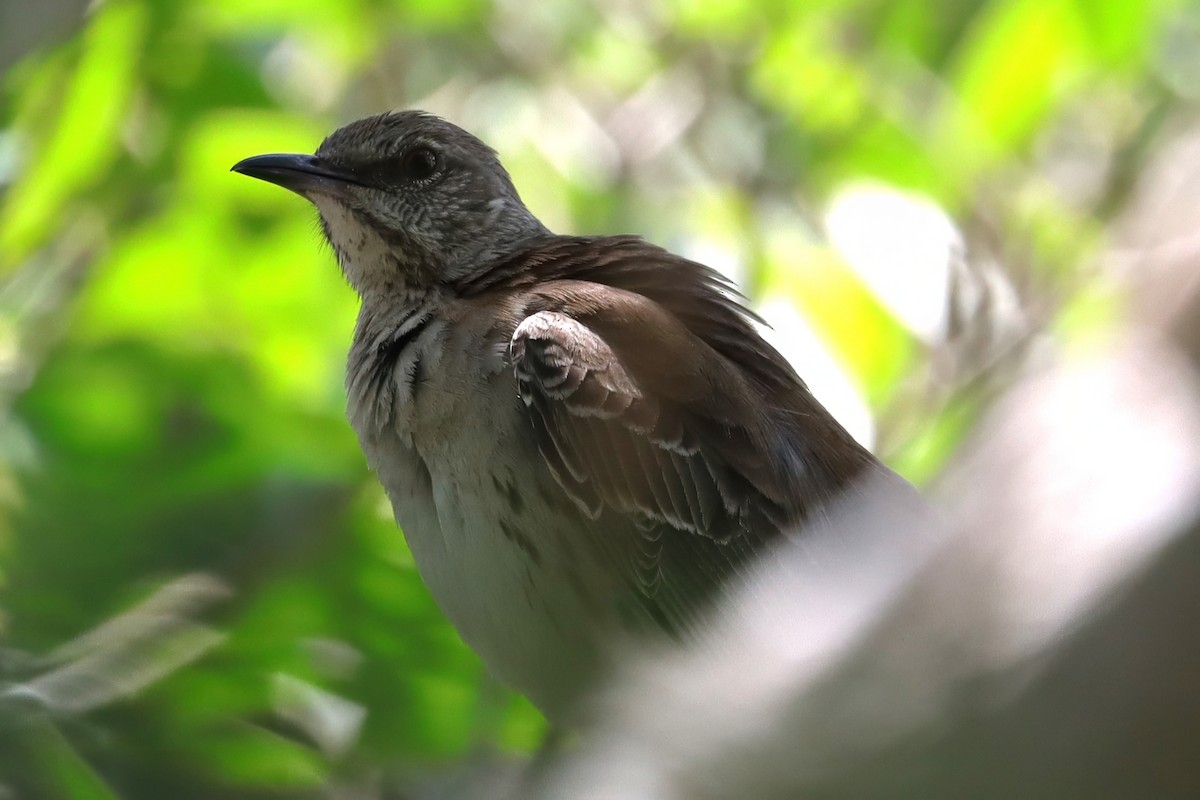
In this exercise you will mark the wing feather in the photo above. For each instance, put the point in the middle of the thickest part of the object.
(662, 414)
(597, 427)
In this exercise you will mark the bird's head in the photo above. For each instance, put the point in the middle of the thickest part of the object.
(406, 199)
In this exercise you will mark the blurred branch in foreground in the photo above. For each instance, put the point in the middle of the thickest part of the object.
(1038, 640)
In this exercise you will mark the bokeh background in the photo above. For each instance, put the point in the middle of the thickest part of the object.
(202, 593)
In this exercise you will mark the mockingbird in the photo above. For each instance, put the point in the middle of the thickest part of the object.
(580, 436)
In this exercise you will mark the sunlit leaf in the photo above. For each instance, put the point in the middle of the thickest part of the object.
(254, 757)
(1004, 89)
(801, 74)
(86, 135)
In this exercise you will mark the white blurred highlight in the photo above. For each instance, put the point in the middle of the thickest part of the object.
(299, 78)
(901, 245)
(333, 722)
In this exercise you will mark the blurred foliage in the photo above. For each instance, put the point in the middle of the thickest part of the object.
(203, 593)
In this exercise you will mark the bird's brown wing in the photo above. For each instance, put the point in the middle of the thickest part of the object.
(662, 441)
(634, 432)
(673, 515)
(659, 409)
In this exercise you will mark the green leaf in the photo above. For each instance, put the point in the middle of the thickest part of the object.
(253, 757)
(85, 138)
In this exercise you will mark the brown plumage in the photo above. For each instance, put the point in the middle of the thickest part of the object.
(706, 407)
(579, 435)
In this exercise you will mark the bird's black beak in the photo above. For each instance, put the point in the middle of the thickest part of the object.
(302, 174)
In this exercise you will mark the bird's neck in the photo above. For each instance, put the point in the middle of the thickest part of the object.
(510, 226)
(381, 270)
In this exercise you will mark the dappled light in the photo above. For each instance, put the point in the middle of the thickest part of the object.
(961, 221)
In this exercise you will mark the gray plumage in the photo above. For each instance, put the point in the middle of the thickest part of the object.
(580, 437)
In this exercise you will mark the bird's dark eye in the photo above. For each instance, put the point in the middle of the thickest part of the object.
(419, 164)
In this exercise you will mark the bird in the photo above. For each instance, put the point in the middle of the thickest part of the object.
(583, 439)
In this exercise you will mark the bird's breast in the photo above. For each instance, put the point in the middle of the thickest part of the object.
(491, 535)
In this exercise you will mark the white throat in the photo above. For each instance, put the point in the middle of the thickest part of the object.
(366, 259)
